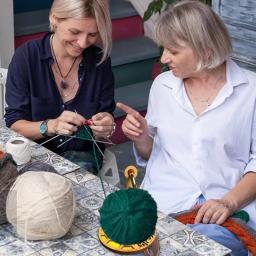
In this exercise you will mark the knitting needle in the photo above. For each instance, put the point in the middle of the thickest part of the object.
(49, 139)
(94, 141)
(99, 141)
(64, 142)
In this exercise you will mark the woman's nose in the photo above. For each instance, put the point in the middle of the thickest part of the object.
(83, 42)
(165, 58)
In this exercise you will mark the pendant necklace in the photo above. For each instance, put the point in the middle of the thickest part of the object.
(67, 94)
(63, 83)
(206, 101)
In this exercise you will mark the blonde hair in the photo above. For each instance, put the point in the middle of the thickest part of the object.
(195, 24)
(80, 9)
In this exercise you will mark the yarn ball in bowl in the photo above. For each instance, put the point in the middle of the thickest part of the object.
(129, 216)
(41, 205)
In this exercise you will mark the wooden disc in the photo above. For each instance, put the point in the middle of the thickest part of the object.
(124, 249)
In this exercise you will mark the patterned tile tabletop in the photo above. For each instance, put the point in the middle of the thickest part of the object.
(38, 152)
(82, 239)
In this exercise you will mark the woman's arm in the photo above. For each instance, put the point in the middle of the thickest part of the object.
(243, 193)
(28, 129)
(136, 129)
(218, 210)
(67, 123)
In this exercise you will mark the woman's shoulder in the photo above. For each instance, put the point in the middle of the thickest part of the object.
(32, 48)
(239, 74)
(167, 79)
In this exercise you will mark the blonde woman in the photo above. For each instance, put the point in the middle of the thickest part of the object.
(198, 140)
(55, 83)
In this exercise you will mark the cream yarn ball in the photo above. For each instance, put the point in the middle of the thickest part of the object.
(41, 205)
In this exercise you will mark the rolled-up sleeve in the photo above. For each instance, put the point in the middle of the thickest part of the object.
(251, 165)
(17, 90)
(150, 117)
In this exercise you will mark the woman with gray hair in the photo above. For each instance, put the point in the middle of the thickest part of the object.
(56, 83)
(198, 140)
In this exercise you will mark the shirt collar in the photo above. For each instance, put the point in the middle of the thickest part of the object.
(235, 76)
(172, 82)
(45, 47)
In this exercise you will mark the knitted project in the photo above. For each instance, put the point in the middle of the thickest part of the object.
(234, 224)
(8, 174)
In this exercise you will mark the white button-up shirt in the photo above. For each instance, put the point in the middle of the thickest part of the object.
(200, 154)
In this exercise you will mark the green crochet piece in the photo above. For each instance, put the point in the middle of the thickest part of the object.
(85, 133)
(129, 216)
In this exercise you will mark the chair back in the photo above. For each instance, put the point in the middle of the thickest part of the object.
(3, 76)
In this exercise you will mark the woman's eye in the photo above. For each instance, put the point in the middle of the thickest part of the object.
(75, 32)
(173, 52)
(93, 34)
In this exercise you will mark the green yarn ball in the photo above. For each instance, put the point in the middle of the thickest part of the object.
(129, 216)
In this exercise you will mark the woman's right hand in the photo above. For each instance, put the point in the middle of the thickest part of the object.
(67, 123)
(135, 125)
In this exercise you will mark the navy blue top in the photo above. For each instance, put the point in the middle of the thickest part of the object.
(31, 92)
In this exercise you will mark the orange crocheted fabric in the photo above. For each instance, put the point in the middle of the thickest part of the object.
(240, 230)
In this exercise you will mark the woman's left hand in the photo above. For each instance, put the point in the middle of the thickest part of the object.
(102, 125)
(213, 211)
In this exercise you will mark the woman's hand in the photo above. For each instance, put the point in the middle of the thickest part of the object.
(135, 125)
(103, 125)
(135, 128)
(67, 123)
(213, 211)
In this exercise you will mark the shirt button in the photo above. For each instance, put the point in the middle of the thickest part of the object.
(80, 79)
(63, 106)
(61, 140)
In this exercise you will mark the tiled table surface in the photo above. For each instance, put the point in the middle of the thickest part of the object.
(175, 238)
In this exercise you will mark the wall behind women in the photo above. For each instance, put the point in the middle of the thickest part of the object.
(6, 32)
(240, 19)
(31, 5)
(6, 45)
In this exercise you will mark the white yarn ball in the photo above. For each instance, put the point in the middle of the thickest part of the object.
(41, 205)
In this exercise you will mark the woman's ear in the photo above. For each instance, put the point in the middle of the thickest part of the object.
(208, 54)
(53, 21)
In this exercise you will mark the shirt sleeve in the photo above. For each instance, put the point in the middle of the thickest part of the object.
(251, 166)
(150, 117)
(17, 89)
(107, 102)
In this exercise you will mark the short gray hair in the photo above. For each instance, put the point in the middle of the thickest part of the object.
(80, 9)
(198, 26)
